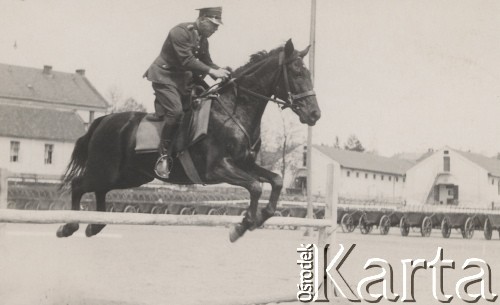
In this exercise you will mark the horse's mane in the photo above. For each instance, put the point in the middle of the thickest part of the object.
(257, 58)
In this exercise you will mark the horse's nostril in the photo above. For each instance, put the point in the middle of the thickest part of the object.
(316, 114)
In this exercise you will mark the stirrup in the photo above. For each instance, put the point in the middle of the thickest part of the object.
(163, 166)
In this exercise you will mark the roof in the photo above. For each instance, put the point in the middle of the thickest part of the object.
(492, 165)
(38, 123)
(57, 88)
(365, 161)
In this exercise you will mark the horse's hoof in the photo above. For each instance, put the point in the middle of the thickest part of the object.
(59, 232)
(67, 230)
(235, 233)
(88, 231)
(93, 229)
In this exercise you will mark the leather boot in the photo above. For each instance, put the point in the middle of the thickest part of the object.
(164, 163)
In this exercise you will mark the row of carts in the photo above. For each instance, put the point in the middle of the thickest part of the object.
(421, 218)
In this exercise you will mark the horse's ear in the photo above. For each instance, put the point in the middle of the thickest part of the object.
(304, 52)
(289, 48)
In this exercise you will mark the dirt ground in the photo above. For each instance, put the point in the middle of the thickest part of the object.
(194, 265)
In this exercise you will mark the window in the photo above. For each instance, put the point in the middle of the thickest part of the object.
(374, 176)
(357, 175)
(366, 176)
(404, 179)
(381, 177)
(446, 163)
(397, 179)
(14, 151)
(49, 149)
(390, 178)
(348, 173)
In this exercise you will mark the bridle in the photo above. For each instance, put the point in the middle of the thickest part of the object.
(291, 98)
(289, 103)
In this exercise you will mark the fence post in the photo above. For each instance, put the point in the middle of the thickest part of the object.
(3, 188)
(328, 235)
(3, 197)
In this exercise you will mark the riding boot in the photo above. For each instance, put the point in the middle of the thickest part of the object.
(164, 163)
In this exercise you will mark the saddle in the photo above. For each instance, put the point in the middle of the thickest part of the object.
(194, 126)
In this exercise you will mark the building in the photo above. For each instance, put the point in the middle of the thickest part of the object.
(42, 113)
(360, 176)
(443, 177)
(452, 177)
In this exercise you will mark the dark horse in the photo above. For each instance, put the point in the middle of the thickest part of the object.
(104, 158)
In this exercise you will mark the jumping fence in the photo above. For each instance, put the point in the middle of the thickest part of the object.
(326, 227)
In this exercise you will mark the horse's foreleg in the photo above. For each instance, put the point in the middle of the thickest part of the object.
(276, 185)
(228, 172)
(76, 196)
(93, 229)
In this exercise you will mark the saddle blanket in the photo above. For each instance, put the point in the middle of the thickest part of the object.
(193, 128)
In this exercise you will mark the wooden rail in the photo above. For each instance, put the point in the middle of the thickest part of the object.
(51, 217)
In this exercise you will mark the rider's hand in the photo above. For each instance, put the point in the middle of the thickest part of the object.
(219, 73)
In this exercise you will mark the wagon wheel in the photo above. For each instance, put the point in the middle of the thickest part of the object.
(130, 209)
(185, 211)
(156, 210)
(445, 227)
(11, 205)
(33, 205)
(364, 227)
(347, 223)
(488, 230)
(384, 225)
(468, 230)
(426, 227)
(214, 211)
(404, 226)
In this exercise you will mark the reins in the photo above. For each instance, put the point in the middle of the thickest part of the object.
(213, 92)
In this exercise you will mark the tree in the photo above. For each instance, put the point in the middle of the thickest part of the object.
(279, 139)
(118, 104)
(337, 143)
(353, 144)
(130, 104)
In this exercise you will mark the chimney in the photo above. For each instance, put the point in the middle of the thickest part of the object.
(81, 72)
(47, 69)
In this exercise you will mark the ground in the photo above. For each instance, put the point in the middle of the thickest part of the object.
(146, 265)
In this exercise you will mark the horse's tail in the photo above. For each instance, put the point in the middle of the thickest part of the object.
(76, 166)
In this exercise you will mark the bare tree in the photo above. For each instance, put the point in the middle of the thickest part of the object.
(130, 104)
(118, 104)
(279, 140)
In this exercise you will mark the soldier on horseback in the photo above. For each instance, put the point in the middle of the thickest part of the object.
(183, 61)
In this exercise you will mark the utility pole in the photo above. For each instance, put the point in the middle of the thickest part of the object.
(312, 42)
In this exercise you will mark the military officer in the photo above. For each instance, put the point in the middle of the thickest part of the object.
(183, 59)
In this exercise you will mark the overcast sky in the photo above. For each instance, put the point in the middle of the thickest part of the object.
(401, 75)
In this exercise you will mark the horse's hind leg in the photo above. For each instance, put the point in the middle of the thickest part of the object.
(77, 192)
(93, 229)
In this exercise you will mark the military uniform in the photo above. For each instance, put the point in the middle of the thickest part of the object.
(184, 56)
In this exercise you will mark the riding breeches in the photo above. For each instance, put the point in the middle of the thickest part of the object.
(168, 101)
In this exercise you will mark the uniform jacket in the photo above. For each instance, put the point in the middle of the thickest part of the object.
(184, 54)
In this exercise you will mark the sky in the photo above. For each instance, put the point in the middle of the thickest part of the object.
(403, 76)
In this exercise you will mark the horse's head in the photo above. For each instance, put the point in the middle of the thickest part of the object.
(295, 85)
